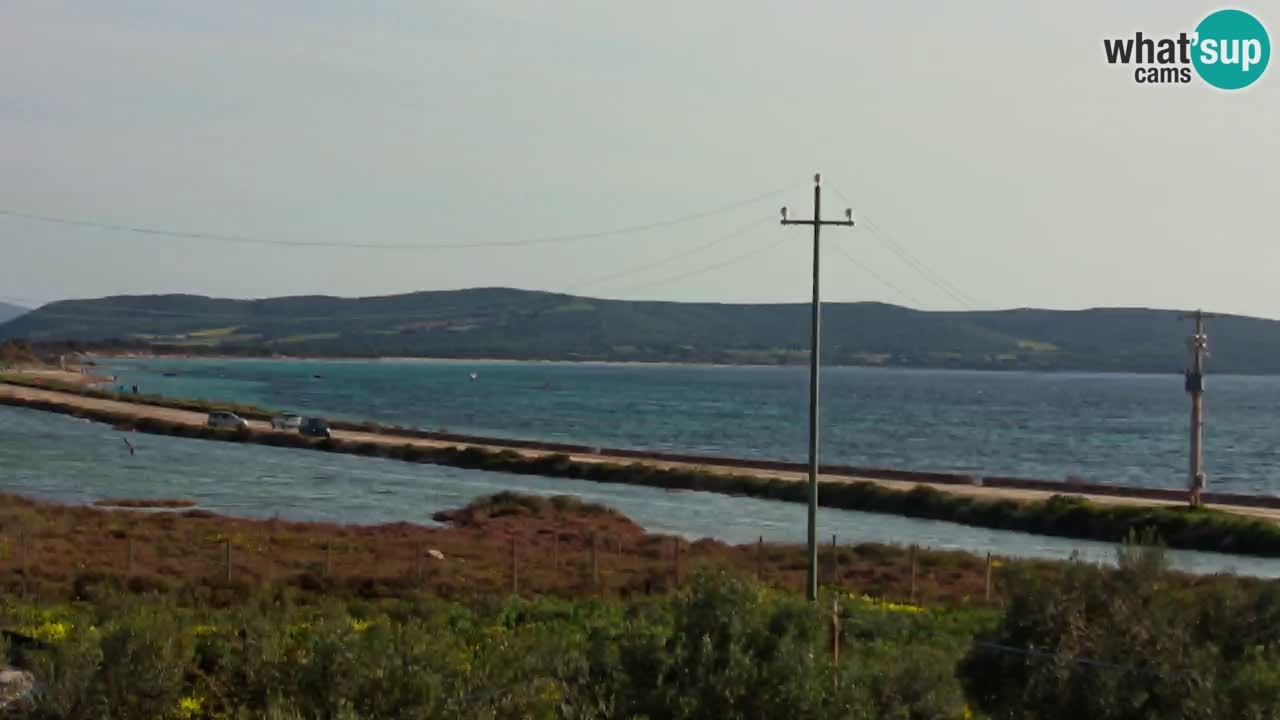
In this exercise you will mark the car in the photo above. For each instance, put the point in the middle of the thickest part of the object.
(285, 421)
(228, 421)
(314, 427)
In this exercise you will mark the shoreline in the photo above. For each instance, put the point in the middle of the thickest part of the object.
(1054, 509)
(96, 356)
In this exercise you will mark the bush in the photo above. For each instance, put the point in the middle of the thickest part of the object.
(1124, 644)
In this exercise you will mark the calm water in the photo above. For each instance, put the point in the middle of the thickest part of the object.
(1128, 429)
(61, 458)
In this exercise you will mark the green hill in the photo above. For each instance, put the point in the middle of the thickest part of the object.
(520, 324)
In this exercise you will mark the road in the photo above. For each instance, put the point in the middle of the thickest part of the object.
(135, 410)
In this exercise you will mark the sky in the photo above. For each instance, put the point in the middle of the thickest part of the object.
(992, 157)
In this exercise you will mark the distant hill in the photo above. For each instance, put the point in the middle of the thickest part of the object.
(9, 312)
(520, 324)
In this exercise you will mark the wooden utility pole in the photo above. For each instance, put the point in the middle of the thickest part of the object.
(815, 336)
(1197, 343)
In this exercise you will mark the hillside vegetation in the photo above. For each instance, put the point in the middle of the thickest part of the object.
(519, 324)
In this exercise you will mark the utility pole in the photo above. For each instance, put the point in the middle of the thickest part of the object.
(817, 222)
(1197, 344)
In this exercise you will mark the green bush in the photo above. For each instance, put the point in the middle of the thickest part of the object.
(723, 648)
(1126, 645)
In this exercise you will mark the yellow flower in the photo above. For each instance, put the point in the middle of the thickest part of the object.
(548, 693)
(890, 606)
(361, 625)
(190, 707)
(51, 632)
(203, 630)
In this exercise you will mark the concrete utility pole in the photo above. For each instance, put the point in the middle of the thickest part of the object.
(817, 222)
(1197, 344)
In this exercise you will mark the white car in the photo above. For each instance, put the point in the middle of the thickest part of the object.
(226, 420)
(285, 421)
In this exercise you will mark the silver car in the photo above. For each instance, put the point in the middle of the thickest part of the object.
(227, 421)
(286, 421)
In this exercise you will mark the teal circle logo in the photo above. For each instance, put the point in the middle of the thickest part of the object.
(1231, 49)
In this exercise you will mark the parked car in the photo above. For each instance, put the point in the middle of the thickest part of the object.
(314, 427)
(285, 421)
(227, 420)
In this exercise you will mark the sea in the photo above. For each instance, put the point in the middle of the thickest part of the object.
(1108, 428)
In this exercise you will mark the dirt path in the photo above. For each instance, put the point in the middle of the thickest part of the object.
(134, 410)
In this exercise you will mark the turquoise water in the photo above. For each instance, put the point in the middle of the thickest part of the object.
(1128, 429)
(61, 458)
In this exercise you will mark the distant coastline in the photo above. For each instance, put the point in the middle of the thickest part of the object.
(504, 324)
(96, 356)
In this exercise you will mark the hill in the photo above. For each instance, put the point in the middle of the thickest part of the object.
(520, 324)
(9, 312)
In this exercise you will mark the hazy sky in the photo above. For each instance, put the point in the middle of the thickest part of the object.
(990, 139)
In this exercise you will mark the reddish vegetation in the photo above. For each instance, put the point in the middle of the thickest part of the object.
(58, 551)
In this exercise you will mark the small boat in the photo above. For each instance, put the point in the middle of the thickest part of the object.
(317, 377)
(474, 375)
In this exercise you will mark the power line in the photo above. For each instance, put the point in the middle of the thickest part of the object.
(705, 269)
(932, 277)
(876, 276)
(925, 271)
(670, 258)
(219, 237)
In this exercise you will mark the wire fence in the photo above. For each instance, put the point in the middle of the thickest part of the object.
(54, 561)
(602, 564)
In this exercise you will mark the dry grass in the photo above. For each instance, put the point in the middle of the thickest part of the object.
(60, 551)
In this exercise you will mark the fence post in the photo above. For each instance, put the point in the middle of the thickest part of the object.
(595, 564)
(128, 569)
(760, 557)
(515, 568)
(269, 557)
(22, 553)
(913, 574)
(417, 561)
(835, 562)
(835, 642)
(226, 549)
(676, 562)
(988, 577)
